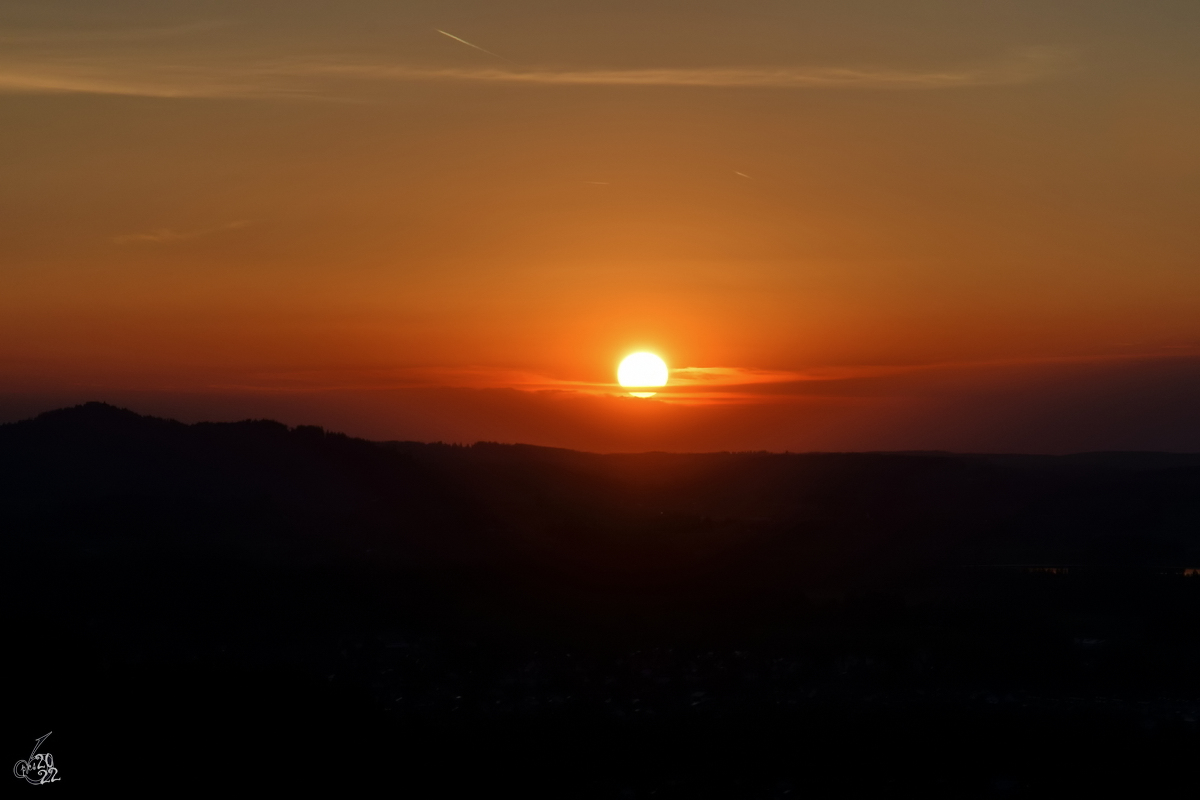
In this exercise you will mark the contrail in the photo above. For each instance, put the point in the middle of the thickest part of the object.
(468, 44)
(744, 175)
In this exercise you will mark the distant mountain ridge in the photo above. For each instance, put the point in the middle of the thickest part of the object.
(824, 520)
(549, 614)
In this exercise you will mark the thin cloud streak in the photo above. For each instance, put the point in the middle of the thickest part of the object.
(72, 37)
(121, 75)
(1028, 67)
(167, 236)
(87, 79)
(687, 385)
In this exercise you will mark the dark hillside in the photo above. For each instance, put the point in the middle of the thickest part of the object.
(573, 624)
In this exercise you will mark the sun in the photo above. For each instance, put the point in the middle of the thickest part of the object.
(641, 370)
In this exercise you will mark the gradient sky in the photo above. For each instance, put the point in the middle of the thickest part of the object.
(846, 225)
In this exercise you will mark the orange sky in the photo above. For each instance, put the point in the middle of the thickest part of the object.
(860, 225)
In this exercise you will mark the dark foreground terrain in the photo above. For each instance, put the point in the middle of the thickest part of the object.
(222, 604)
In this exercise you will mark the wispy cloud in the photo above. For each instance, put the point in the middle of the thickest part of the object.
(317, 77)
(167, 235)
(1024, 67)
(740, 385)
(686, 385)
(704, 385)
(58, 36)
(110, 77)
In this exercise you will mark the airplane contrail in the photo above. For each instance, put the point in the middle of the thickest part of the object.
(744, 175)
(468, 44)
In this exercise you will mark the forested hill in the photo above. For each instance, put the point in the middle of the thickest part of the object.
(823, 522)
(582, 625)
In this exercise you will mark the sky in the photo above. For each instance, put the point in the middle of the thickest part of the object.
(850, 225)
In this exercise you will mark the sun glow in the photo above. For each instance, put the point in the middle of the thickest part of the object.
(642, 370)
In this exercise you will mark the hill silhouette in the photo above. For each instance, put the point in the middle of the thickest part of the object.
(729, 623)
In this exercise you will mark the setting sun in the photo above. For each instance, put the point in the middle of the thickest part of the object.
(641, 370)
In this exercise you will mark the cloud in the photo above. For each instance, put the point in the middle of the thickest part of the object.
(71, 37)
(1024, 67)
(166, 235)
(326, 77)
(106, 78)
(847, 385)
